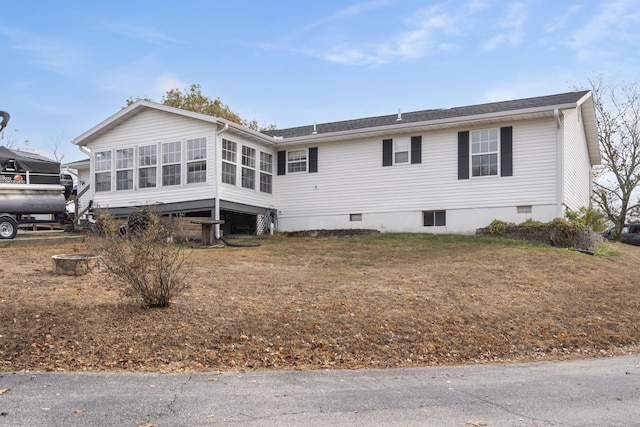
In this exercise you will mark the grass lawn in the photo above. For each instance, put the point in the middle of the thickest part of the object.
(376, 301)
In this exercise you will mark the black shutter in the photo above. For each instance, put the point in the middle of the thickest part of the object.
(387, 152)
(416, 149)
(313, 159)
(463, 155)
(506, 151)
(282, 162)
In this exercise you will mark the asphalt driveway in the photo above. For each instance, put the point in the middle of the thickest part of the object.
(600, 392)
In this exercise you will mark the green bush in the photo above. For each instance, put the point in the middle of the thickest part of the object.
(588, 217)
(498, 227)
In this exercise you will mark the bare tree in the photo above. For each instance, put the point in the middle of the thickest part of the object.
(12, 140)
(618, 117)
(56, 149)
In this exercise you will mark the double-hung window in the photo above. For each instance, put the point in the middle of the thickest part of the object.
(296, 161)
(147, 166)
(171, 163)
(124, 169)
(266, 172)
(248, 167)
(103, 170)
(484, 152)
(400, 150)
(229, 153)
(196, 160)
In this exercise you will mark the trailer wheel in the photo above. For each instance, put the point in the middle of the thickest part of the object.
(8, 227)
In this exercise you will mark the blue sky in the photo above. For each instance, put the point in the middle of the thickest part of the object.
(68, 65)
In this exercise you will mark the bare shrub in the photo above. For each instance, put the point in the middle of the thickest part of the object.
(144, 258)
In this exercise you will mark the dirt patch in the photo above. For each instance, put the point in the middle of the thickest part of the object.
(374, 301)
(332, 233)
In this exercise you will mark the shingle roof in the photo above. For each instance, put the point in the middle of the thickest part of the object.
(429, 115)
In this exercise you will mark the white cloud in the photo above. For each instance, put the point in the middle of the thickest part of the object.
(513, 26)
(350, 12)
(615, 24)
(54, 54)
(139, 32)
(559, 22)
(417, 42)
(167, 82)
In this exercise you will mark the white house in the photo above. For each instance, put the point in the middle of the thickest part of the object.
(437, 171)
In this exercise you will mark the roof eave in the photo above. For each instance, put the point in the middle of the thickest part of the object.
(588, 114)
(142, 105)
(427, 125)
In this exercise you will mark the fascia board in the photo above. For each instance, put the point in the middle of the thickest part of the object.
(427, 125)
(141, 105)
(588, 114)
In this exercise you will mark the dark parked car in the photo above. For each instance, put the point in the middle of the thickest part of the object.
(630, 234)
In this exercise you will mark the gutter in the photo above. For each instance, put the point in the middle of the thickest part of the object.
(560, 162)
(216, 208)
(435, 124)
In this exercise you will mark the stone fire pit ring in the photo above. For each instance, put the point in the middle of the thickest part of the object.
(74, 264)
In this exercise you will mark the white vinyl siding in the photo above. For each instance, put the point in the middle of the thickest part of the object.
(352, 173)
(154, 128)
(575, 165)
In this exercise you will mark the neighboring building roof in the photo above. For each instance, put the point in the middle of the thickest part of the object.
(432, 115)
(84, 163)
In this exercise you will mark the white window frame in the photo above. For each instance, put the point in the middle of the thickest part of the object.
(248, 167)
(229, 161)
(196, 160)
(297, 161)
(401, 150)
(170, 160)
(485, 147)
(266, 172)
(125, 162)
(148, 162)
(102, 167)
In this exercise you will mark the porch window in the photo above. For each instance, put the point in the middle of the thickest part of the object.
(147, 166)
(102, 162)
(266, 172)
(171, 162)
(248, 167)
(229, 152)
(124, 169)
(196, 160)
(484, 152)
(296, 161)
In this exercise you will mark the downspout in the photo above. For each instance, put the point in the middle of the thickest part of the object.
(560, 163)
(216, 209)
